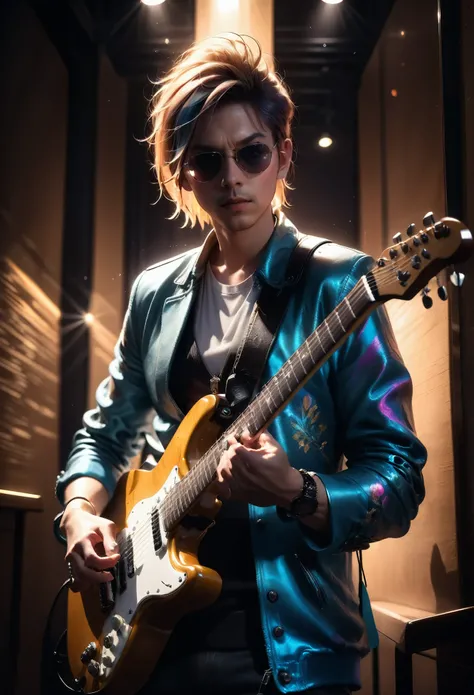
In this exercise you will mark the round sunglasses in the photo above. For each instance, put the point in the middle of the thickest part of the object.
(253, 159)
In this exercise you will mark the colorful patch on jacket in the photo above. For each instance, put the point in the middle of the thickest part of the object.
(308, 430)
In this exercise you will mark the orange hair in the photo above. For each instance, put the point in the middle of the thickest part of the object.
(216, 70)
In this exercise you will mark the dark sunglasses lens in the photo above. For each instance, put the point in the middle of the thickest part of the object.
(255, 158)
(205, 166)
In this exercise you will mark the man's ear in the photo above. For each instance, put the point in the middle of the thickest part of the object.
(285, 153)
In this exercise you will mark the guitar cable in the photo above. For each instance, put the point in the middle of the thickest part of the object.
(52, 658)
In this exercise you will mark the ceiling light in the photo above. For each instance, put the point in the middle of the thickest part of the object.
(228, 5)
(325, 141)
(332, 2)
(152, 2)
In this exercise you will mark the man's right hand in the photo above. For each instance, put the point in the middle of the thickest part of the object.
(91, 547)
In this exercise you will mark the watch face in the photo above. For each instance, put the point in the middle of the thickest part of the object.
(306, 505)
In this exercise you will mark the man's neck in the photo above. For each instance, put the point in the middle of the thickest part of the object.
(236, 255)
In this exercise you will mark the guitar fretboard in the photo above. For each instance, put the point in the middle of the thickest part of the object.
(272, 398)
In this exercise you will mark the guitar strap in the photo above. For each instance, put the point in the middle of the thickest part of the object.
(244, 381)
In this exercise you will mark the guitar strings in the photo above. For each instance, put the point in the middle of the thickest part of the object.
(144, 527)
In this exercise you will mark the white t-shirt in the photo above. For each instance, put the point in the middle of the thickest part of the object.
(221, 318)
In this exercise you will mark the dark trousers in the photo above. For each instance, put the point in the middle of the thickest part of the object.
(220, 673)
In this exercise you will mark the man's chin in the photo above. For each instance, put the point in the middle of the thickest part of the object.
(239, 222)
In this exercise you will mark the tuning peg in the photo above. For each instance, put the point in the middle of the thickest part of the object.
(429, 219)
(397, 238)
(427, 301)
(416, 262)
(411, 229)
(441, 230)
(457, 278)
(442, 293)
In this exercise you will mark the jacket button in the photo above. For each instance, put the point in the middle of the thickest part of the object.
(272, 596)
(278, 631)
(284, 677)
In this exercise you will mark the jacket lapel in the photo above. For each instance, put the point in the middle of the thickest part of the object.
(173, 319)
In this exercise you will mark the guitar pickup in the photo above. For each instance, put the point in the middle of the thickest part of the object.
(107, 593)
(121, 575)
(155, 526)
(129, 559)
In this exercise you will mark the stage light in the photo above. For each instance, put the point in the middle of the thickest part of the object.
(89, 319)
(153, 2)
(332, 2)
(228, 5)
(325, 141)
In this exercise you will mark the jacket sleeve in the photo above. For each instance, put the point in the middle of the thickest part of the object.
(378, 494)
(112, 433)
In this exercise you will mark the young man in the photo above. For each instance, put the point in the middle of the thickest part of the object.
(288, 609)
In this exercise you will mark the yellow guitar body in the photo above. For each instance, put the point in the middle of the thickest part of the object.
(152, 610)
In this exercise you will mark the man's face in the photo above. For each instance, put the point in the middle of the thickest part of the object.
(235, 199)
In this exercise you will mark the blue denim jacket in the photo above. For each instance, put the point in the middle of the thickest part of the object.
(357, 407)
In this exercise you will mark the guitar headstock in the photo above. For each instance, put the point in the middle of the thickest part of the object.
(405, 268)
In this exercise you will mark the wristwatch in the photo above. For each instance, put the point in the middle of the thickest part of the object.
(306, 503)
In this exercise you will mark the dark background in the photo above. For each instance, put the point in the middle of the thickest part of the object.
(79, 216)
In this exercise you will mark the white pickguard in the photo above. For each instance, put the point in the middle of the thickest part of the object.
(154, 574)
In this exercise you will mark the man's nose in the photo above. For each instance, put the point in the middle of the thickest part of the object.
(231, 174)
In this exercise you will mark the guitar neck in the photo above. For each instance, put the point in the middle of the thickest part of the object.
(275, 394)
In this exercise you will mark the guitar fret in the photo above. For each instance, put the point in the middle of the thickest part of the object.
(329, 331)
(346, 299)
(271, 396)
(319, 341)
(302, 363)
(339, 319)
(290, 362)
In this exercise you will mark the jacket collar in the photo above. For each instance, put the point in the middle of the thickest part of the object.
(273, 262)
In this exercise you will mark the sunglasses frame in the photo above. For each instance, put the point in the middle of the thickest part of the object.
(234, 157)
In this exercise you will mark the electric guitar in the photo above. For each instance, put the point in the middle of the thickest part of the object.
(117, 630)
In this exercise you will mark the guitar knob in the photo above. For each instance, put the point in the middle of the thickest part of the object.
(117, 622)
(429, 220)
(411, 229)
(108, 641)
(94, 669)
(397, 238)
(89, 652)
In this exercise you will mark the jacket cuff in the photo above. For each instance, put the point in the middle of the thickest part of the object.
(348, 513)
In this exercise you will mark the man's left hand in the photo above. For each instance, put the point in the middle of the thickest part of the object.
(257, 471)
